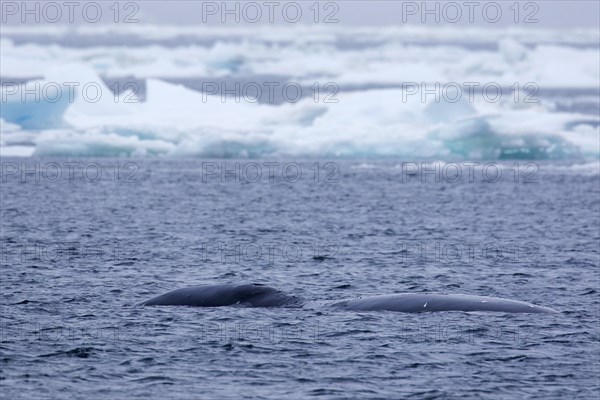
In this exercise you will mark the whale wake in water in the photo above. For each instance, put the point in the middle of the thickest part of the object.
(258, 295)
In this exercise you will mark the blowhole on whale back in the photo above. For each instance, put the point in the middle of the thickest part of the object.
(259, 295)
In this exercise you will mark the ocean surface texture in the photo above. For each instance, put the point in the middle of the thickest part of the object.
(85, 240)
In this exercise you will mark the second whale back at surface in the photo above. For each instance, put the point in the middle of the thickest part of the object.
(422, 302)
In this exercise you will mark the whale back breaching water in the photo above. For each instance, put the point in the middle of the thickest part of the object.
(249, 295)
(259, 295)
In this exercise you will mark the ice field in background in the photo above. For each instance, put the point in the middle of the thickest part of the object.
(374, 95)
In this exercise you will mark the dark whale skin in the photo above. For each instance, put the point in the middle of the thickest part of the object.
(258, 295)
(413, 303)
(250, 295)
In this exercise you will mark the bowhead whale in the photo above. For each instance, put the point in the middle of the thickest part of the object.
(258, 295)
(249, 295)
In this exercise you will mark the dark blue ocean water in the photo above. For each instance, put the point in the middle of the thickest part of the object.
(83, 241)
